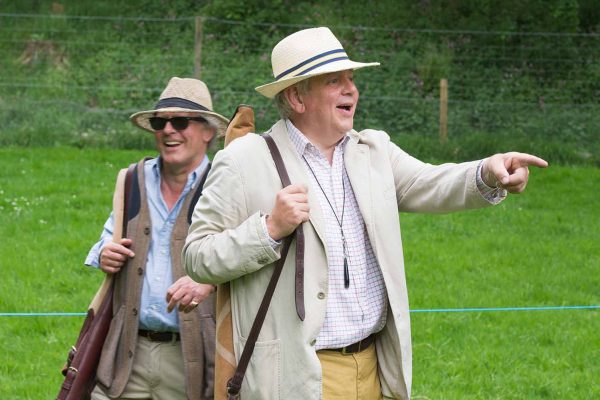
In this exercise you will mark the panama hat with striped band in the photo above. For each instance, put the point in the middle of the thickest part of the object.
(304, 54)
(183, 95)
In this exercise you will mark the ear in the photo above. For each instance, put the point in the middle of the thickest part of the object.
(208, 134)
(294, 99)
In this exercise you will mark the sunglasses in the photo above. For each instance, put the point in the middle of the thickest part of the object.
(178, 123)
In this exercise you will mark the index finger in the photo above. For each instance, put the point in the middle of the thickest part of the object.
(171, 302)
(296, 189)
(172, 290)
(529, 159)
(117, 248)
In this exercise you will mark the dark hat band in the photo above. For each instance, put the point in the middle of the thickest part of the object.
(179, 102)
(303, 63)
(321, 64)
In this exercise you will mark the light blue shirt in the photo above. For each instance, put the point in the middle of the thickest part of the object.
(158, 276)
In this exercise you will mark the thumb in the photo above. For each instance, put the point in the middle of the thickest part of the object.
(495, 172)
(502, 176)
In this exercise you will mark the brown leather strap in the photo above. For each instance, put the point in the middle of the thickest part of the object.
(299, 233)
(234, 384)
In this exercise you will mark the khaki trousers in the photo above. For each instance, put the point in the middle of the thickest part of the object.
(350, 377)
(157, 373)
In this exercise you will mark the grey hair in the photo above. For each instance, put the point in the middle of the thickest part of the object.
(283, 106)
(212, 125)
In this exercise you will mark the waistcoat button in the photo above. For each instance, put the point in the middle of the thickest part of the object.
(321, 295)
(146, 231)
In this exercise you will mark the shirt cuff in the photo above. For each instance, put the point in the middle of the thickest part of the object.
(493, 195)
(274, 243)
(93, 257)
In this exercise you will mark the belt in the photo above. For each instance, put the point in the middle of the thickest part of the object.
(356, 347)
(154, 336)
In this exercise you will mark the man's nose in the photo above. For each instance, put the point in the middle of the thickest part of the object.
(349, 86)
(168, 128)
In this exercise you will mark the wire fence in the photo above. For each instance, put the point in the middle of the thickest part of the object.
(75, 79)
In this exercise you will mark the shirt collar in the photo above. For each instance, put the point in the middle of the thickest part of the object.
(192, 177)
(301, 142)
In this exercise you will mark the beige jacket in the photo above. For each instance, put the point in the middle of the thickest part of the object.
(226, 242)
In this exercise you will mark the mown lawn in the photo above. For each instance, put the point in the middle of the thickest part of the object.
(536, 249)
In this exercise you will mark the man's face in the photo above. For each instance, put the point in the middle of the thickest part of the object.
(184, 148)
(331, 102)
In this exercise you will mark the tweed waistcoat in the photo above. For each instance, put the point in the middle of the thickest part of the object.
(197, 328)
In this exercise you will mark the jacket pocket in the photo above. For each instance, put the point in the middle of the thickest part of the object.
(106, 367)
(262, 379)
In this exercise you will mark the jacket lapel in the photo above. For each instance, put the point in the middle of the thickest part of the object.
(356, 161)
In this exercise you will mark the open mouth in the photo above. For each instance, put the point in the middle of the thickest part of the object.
(346, 107)
(171, 144)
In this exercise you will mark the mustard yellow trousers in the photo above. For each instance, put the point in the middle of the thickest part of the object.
(350, 377)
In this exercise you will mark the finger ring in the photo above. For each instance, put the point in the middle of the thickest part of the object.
(194, 304)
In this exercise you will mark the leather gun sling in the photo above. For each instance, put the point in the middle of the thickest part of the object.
(234, 384)
(299, 232)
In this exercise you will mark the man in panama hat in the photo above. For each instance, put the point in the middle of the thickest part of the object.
(347, 189)
(161, 341)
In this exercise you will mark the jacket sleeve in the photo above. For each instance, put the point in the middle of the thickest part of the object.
(423, 187)
(225, 241)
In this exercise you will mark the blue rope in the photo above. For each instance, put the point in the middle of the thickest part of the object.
(441, 310)
(433, 310)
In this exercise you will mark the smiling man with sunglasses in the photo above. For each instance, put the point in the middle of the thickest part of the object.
(151, 352)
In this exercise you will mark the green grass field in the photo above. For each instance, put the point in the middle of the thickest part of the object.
(537, 249)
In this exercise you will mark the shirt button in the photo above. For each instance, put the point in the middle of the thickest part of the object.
(146, 231)
(321, 295)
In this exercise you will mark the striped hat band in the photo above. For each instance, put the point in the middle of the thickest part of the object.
(314, 62)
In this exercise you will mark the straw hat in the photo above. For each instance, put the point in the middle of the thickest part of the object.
(183, 95)
(305, 54)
